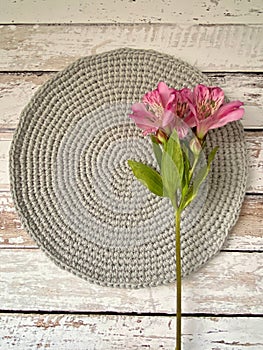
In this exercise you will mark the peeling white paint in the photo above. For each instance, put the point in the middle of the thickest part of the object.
(230, 283)
(147, 11)
(16, 240)
(16, 92)
(208, 47)
(106, 332)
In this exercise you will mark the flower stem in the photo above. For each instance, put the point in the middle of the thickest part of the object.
(191, 172)
(178, 280)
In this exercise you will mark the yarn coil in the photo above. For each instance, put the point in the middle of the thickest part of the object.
(78, 198)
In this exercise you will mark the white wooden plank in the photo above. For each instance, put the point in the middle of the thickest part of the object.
(4, 161)
(208, 47)
(254, 143)
(231, 283)
(15, 93)
(247, 88)
(247, 235)
(17, 89)
(254, 146)
(110, 332)
(114, 11)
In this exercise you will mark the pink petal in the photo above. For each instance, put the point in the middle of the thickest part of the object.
(140, 111)
(202, 128)
(186, 95)
(227, 118)
(190, 120)
(217, 94)
(147, 128)
(149, 131)
(168, 118)
(144, 119)
(192, 109)
(201, 93)
(171, 104)
(226, 108)
(152, 98)
(165, 93)
(216, 121)
(181, 128)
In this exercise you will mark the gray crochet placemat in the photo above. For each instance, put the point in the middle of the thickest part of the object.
(78, 198)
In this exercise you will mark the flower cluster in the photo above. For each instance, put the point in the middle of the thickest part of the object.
(181, 172)
(202, 108)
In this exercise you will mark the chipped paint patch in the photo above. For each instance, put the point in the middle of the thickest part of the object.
(16, 240)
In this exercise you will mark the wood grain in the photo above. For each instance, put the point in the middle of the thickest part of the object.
(254, 141)
(254, 146)
(17, 89)
(147, 11)
(221, 37)
(110, 332)
(29, 280)
(247, 88)
(208, 47)
(247, 235)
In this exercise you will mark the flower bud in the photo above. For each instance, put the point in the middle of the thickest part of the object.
(161, 136)
(195, 146)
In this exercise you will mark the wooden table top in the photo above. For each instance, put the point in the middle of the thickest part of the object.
(44, 307)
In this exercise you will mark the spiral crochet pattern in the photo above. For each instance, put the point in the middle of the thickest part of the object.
(77, 196)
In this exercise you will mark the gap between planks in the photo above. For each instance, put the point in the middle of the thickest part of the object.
(125, 314)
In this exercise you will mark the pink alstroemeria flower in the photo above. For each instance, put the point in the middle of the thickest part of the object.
(181, 102)
(155, 111)
(209, 110)
(161, 110)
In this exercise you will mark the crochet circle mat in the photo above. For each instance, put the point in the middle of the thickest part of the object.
(78, 198)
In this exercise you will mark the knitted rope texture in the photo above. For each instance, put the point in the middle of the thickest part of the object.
(77, 196)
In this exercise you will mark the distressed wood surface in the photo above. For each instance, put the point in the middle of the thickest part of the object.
(232, 282)
(110, 332)
(29, 280)
(147, 11)
(247, 235)
(17, 89)
(254, 142)
(254, 146)
(210, 48)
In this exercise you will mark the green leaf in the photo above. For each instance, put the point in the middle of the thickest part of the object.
(198, 180)
(157, 152)
(194, 188)
(173, 148)
(172, 168)
(170, 177)
(186, 175)
(149, 177)
(211, 156)
(187, 166)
